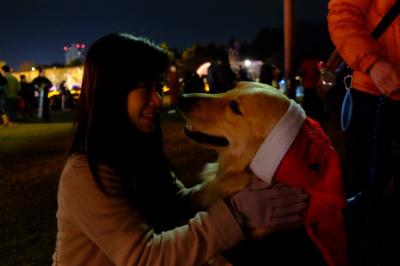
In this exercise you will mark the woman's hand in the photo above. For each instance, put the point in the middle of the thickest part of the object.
(273, 208)
(385, 77)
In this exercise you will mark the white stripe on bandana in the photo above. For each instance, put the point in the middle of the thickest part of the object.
(278, 142)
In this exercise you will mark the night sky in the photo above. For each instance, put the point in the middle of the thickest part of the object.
(37, 30)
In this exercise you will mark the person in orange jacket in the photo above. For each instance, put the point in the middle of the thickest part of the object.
(372, 161)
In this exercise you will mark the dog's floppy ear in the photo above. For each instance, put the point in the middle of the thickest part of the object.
(263, 109)
(234, 105)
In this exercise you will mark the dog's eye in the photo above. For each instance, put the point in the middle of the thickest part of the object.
(234, 105)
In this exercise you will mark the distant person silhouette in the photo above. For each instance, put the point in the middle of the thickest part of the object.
(193, 83)
(27, 94)
(270, 74)
(12, 92)
(312, 103)
(43, 85)
(266, 73)
(220, 76)
(3, 87)
(65, 94)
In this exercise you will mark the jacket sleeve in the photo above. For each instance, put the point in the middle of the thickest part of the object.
(350, 33)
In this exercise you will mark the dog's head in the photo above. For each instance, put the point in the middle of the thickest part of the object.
(235, 122)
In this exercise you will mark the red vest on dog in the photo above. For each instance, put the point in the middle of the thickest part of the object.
(312, 163)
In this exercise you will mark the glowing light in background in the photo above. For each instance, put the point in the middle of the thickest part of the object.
(203, 68)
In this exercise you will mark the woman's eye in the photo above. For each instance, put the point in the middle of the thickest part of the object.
(234, 105)
(159, 88)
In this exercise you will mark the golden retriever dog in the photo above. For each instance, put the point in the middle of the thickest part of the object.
(257, 131)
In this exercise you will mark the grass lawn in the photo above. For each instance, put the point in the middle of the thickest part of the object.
(31, 159)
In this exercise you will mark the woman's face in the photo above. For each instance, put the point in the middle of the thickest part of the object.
(144, 103)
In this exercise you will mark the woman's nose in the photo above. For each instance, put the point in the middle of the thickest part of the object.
(155, 99)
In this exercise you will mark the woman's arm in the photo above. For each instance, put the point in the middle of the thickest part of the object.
(122, 234)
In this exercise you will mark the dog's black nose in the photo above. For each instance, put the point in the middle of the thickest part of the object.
(186, 101)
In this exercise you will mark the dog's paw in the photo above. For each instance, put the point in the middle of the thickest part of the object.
(209, 171)
(231, 183)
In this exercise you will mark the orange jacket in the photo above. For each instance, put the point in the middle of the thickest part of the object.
(350, 24)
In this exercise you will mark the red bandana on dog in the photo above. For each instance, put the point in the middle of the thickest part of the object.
(299, 153)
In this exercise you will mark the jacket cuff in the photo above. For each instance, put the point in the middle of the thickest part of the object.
(367, 62)
(226, 224)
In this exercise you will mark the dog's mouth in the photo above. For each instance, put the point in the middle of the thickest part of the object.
(203, 138)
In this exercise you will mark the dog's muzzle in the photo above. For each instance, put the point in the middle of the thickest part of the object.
(185, 104)
(203, 138)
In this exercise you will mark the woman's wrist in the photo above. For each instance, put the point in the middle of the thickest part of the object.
(239, 217)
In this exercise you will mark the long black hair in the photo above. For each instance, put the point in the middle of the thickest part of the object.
(115, 65)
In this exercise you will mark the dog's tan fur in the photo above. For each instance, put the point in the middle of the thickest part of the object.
(261, 107)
